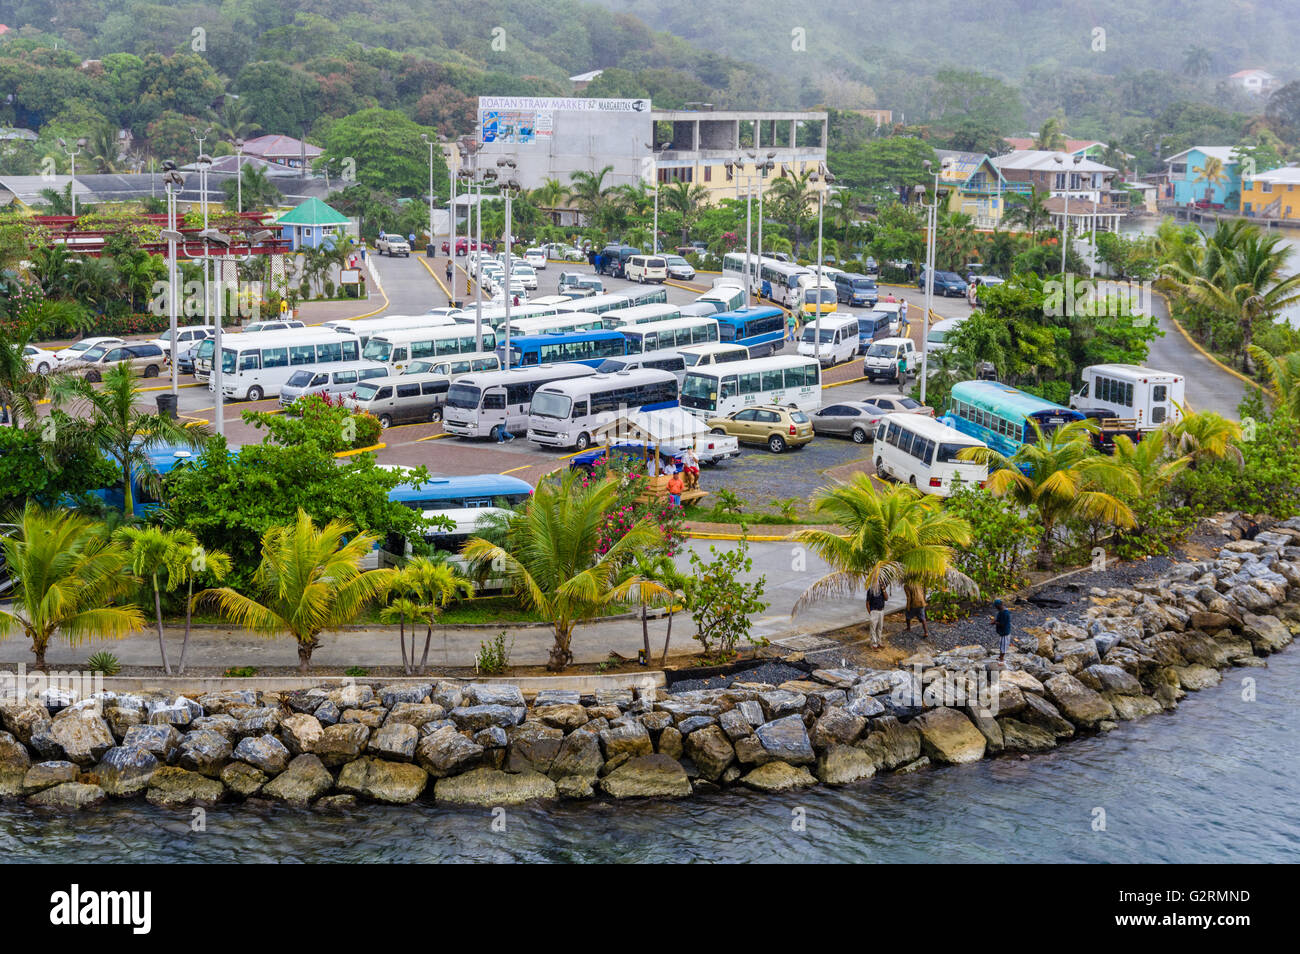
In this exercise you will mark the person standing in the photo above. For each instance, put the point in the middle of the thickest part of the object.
(915, 594)
(876, 597)
(903, 324)
(902, 372)
(450, 271)
(675, 488)
(1001, 621)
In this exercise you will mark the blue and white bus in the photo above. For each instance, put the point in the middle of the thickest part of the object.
(462, 500)
(581, 347)
(999, 414)
(640, 315)
(760, 328)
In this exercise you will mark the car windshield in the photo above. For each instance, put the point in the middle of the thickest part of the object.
(936, 336)
(549, 404)
(827, 295)
(463, 396)
(946, 277)
(95, 353)
(828, 334)
(907, 403)
(377, 349)
(882, 351)
(418, 367)
(82, 346)
(863, 284)
(675, 260)
(692, 359)
(299, 379)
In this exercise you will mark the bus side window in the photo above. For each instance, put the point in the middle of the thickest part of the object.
(250, 361)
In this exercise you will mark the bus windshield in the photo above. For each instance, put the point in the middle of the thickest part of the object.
(827, 295)
(947, 453)
(463, 396)
(227, 361)
(549, 404)
(377, 349)
(700, 387)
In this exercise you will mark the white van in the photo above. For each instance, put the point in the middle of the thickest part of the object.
(658, 360)
(937, 340)
(339, 379)
(881, 362)
(1129, 392)
(923, 452)
(839, 339)
(646, 268)
(402, 398)
(453, 367)
(715, 352)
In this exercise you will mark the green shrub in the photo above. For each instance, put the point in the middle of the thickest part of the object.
(240, 672)
(494, 655)
(104, 663)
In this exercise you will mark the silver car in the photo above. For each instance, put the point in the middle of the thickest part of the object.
(852, 419)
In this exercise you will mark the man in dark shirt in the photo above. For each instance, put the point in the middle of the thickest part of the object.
(1002, 626)
(876, 597)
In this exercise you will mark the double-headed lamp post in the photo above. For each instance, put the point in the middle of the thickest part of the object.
(424, 138)
(173, 183)
(761, 169)
(932, 230)
(509, 188)
(1059, 159)
(821, 174)
(72, 157)
(654, 155)
(239, 175)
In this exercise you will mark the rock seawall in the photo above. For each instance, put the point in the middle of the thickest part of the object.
(1133, 653)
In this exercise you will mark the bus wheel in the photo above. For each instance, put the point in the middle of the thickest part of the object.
(912, 480)
(254, 393)
(385, 421)
(436, 416)
(880, 470)
(859, 436)
(583, 441)
(776, 444)
(93, 377)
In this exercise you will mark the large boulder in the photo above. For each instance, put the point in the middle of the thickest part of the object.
(305, 780)
(841, 764)
(172, 787)
(532, 746)
(710, 750)
(126, 771)
(1020, 736)
(494, 694)
(785, 740)
(780, 702)
(492, 787)
(265, 753)
(647, 776)
(562, 715)
(243, 779)
(340, 744)
(204, 751)
(82, 738)
(891, 743)
(255, 722)
(14, 763)
(415, 713)
(474, 718)
(1266, 633)
(837, 726)
(630, 738)
(579, 757)
(394, 783)
(445, 752)
(300, 732)
(1039, 712)
(1129, 707)
(778, 777)
(23, 719)
(69, 796)
(1078, 703)
(45, 775)
(1194, 678)
(159, 740)
(394, 741)
(948, 736)
(1114, 679)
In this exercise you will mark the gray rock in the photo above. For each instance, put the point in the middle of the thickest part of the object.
(352, 696)
(258, 722)
(492, 787)
(785, 740)
(1266, 633)
(474, 718)
(371, 717)
(445, 752)
(557, 697)
(14, 763)
(1114, 679)
(390, 696)
(305, 780)
(204, 751)
(837, 678)
(710, 750)
(494, 694)
(243, 779)
(1022, 737)
(126, 770)
(342, 743)
(890, 743)
(734, 724)
(69, 796)
(220, 701)
(300, 732)
(780, 703)
(841, 764)
(865, 707)
(120, 719)
(670, 743)
(562, 715)
(395, 741)
(1078, 703)
(648, 776)
(837, 727)
(948, 736)
(983, 720)
(752, 711)
(681, 710)
(778, 777)
(579, 755)
(1129, 707)
(630, 739)
(1194, 678)
(534, 746)
(687, 726)
(393, 783)
(327, 713)
(171, 787)
(223, 724)
(265, 752)
(45, 775)
(160, 740)
(81, 738)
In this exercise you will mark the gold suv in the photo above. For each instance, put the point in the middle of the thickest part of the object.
(145, 359)
(777, 427)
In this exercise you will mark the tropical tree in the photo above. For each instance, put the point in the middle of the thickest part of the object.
(421, 590)
(1059, 475)
(1150, 469)
(103, 148)
(153, 552)
(1212, 173)
(550, 194)
(309, 581)
(68, 575)
(1051, 135)
(687, 199)
(589, 192)
(192, 563)
(1029, 210)
(885, 536)
(116, 425)
(789, 197)
(1206, 436)
(1197, 61)
(551, 557)
(1282, 374)
(256, 192)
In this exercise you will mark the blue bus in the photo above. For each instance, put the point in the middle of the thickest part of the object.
(161, 459)
(574, 347)
(760, 328)
(462, 500)
(999, 415)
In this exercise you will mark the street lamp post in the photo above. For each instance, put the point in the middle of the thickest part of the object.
(509, 186)
(932, 228)
(72, 156)
(451, 247)
(173, 182)
(822, 174)
(1059, 159)
(654, 153)
(204, 163)
(239, 175)
(767, 165)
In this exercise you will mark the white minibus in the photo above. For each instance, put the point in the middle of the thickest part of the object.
(365, 328)
(646, 268)
(476, 362)
(640, 315)
(254, 366)
(839, 338)
(398, 348)
(923, 452)
(717, 390)
(714, 353)
(556, 324)
(479, 404)
(1129, 392)
(566, 413)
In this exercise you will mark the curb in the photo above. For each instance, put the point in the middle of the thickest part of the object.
(590, 682)
(748, 538)
(361, 450)
(370, 314)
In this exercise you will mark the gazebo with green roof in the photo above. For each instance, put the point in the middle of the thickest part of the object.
(307, 225)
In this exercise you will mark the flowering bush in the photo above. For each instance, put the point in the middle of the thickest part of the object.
(631, 482)
(320, 418)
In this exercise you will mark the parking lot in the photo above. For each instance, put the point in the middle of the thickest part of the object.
(757, 476)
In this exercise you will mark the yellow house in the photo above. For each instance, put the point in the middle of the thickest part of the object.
(970, 183)
(1272, 195)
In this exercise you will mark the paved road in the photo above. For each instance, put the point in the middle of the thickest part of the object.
(1209, 387)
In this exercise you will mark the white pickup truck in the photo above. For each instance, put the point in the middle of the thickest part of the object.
(392, 244)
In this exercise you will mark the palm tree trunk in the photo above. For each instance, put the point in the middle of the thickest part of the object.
(401, 638)
(663, 660)
(38, 649)
(157, 609)
(561, 656)
(645, 632)
(185, 643)
(1045, 548)
(428, 638)
(304, 654)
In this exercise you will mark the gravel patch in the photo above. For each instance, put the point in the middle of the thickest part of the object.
(774, 673)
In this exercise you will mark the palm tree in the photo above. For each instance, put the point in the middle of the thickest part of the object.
(660, 569)
(309, 580)
(234, 120)
(1150, 470)
(1212, 173)
(1029, 210)
(1205, 436)
(1059, 475)
(687, 199)
(790, 197)
(103, 149)
(551, 557)
(1197, 61)
(60, 203)
(1282, 373)
(590, 193)
(154, 552)
(550, 194)
(257, 190)
(422, 589)
(68, 574)
(894, 535)
(1051, 135)
(118, 427)
(23, 388)
(194, 562)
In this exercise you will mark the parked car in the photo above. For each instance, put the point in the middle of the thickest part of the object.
(589, 459)
(401, 399)
(613, 259)
(852, 419)
(525, 273)
(580, 285)
(391, 244)
(185, 355)
(679, 268)
(901, 405)
(184, 337)
(536, 257)
(870, 268)
(78, 348)
(777, 427)
(463, 245)
(948, 284)
(857, 290)
(645, 268)
(881, 361)
(40, 360)
(278, 324)
(341, 379)
(145, 359)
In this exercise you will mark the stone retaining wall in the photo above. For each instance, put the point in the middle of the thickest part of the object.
(1136, 653)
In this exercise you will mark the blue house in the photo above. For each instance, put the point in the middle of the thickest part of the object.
(311, 224)
(1193, 180)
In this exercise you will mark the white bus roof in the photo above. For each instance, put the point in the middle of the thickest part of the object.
(671, 324)
(712, 347)
(545, 372)
(456, 329)
(627, 316)
(1129, 371)
(566, 318)
(598, 382)
(351, 326)
(256, 339)
(770, 363)
(932, 428)
(833, 320)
